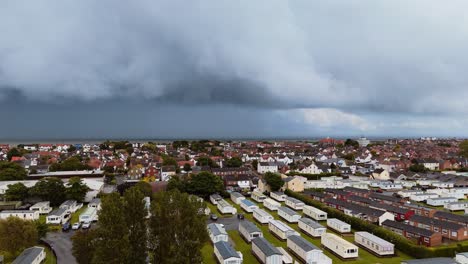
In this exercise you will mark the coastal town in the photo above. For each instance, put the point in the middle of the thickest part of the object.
(317, 201)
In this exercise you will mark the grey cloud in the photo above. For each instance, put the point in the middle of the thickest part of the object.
(387, 56)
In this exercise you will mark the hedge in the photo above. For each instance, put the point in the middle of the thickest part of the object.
(401, 243)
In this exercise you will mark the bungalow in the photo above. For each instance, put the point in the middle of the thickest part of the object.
(214, 198)
(248, 205)
(237, 197)
(217, 233)
(225, 253)
(249, 231)
(58, 216)
(289, 215)
(278, 196)
(419, 235)
(311, 227)
(32, 255)
(41, 207)
(294, 203)
(306, 251)
(265, 252)
(22, 214)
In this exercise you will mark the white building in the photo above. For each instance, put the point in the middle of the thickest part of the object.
(237, 197)
(311, 227)
(32, 255)
(456, 206)
(95, 203)
(306, 251)
(89, 215)
(58, 216)
(41, 207)
(288, 214)
(214, 198)
(258, 196)
(226, 254)
(314, 213)
(281, 230)
(22, 214)
(311, 169)
(217, 233)
(374, 243)
(249, 230)
(226, 208)
(265, 252)
(71, 206)
(264, 167)
(271, 204)
(363, 142)
(423, 197)
(339, 246)
(262, 216)
(338, 225)
(440, 201)
(278, 196)
(294, 203)
(462, 258)
(248, 205)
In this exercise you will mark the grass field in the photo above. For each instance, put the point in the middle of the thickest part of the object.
(76, 216)
(50, 258)
(364, 256)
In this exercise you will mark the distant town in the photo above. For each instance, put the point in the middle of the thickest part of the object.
(311, 201)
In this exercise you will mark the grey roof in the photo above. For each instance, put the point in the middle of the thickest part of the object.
(216, 229)
(237, 195)
(95, 201)
(249, 226)
(430, 261)
(294, 200)
(279, 193)
(28, 255)
(18, 211)
(287, 210)
(57, 212)
(68, 203)
(216, 196)
(226, 250)
(302, 243)
(266, 247)
(311, 222)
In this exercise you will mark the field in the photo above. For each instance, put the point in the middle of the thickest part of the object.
(239, 244)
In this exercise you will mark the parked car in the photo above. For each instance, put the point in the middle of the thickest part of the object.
(66, 226)
(240, 216)
(76, 226)
(213, 217)
(86, 225)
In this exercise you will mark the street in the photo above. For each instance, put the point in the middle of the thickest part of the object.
(62, 245)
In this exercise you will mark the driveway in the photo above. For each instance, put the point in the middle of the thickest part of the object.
(62, 244)
(230, 223)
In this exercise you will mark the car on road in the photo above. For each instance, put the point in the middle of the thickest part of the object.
(213, 217)
(86, 225)
(240, 216)
(66, 226)
(76, 226)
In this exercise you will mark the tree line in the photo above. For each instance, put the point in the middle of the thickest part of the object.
(172, 230)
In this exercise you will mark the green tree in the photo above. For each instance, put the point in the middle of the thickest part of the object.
(71, 164)
(255, 164)
(16, 235)
(10, 171)
(352, 143)
(177, 230)
(274, 180)
(464, 148)
(76, 189)
(84, 244)
(417, 168)
(169, 161)
(49, 189)
(113, 230)
(71, 149)
(42, 228)
(206, 161)
(204, 184)
(187, 167)
(144, 188)
(14, 152)
(234, 162)
(135, 216)
(176, 183)
(16, 192)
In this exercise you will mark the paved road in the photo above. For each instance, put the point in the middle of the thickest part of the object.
(62, 244)
(230, 223)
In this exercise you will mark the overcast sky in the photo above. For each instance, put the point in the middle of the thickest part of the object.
(264, 68)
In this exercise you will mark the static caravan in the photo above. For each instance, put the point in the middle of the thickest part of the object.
(271, 204)
(262, 216)
(281, 230)
(422, 197)
(248, 205)
(41, 207)
(32, 255)
(89, 215)
(314, 213)
(306, 251)
(440, 201)
(226, 208)
(339, 246)
(249, 230)
(453, 195)
(338, 225)
(294, 203)
(288, 214)
(225, 253)
(95, 203)
(374, 243)
(278, 196)
(58, 216)
(71, 205)
(237, 197)
(214, 198)
(22, 214)
(217, 233)
(265, 252)
(287, 259)
(258, 196)
(456, 206)
(311, 227)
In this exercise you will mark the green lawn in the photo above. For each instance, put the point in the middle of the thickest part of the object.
(207, 254)
(50, 258)
(76, 215)
(364, 256)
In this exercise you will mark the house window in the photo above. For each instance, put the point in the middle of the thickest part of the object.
(444, 231)
(426, 240)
